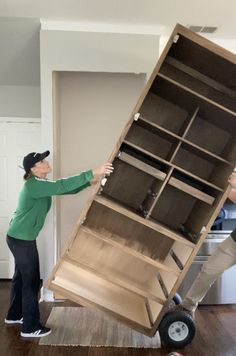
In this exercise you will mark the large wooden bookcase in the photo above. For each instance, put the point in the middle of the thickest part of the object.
(139, 233)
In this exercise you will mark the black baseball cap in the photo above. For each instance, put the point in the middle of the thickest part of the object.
(32, 158)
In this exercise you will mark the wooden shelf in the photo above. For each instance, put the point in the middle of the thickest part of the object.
(152, 225)
(126, 284)
(201, 150)
(201, 77)
(205, 57)
(147, 153)
(198, 178)
(142, 166)
(174, 94)
(160, 110)
(174, 182)
(205, 99)
(170, 164)
(130, 251)
(79, 284)
(199, 83)
(157, 127)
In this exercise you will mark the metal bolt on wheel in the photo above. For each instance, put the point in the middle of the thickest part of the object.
(178, 331)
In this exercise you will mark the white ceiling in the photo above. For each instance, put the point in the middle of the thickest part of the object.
(144, 12)
(20, 23)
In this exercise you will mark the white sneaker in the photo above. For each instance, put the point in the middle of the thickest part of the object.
(8, 321)
(38, 333)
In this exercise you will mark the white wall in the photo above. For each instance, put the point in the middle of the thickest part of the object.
(92, 109)
(90, 52)
(20, 101)
(229, 44)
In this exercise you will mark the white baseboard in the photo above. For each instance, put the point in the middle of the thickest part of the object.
(46, 295)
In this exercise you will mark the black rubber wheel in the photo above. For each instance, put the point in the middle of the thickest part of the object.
(177, 299)
(177, 329)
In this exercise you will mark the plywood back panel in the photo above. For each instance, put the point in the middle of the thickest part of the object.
(128, 232)
(106, 258)
(212, 138)
(136, 185)
(173, 207)
(163, 112)
(204, 60)
(149, 141)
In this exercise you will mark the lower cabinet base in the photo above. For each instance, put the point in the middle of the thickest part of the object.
(87, 289)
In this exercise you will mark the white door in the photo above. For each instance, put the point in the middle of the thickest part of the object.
(17, 138)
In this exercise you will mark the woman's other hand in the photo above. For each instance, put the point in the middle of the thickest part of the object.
(232, 180)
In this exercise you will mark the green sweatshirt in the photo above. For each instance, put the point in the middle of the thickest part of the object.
(35, 201)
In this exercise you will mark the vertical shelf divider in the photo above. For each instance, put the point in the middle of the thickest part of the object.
(172, 155)
(160, 191)
(190, 122)
(174, 151)
(183, 135)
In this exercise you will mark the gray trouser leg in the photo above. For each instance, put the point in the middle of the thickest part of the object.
(223, 258)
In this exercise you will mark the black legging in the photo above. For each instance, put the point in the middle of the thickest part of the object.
(25, 284)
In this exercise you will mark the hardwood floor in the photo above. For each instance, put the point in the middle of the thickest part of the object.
(215, 336)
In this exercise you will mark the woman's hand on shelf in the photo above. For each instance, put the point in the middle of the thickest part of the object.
(105, 169)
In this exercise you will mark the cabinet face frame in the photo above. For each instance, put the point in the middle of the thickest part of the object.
(178, 253)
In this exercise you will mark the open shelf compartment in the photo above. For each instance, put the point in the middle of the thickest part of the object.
(151, 139)
(160, 110)
(118, 264)
(193, 187)
(194, 66)
(216, 118)
(148, 243)
(134, 176)
(178, 210)
(200, 164)
(217, 126)
(83, 286)
(200, 83)
(123, 211)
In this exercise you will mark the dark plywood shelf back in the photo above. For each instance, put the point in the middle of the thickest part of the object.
(142, 227)
(199, 83)
(202, 59)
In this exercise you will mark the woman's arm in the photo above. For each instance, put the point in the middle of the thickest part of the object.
(40, 188)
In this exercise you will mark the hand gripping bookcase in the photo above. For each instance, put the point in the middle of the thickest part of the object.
(140, 231)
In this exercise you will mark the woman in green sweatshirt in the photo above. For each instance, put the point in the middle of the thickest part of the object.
(33, 205)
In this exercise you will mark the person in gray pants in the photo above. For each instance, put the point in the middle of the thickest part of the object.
(223, 258)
